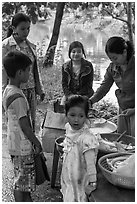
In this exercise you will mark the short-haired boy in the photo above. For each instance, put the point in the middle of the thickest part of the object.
(21, 138)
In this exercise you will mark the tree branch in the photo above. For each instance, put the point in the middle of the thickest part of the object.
(121, 19)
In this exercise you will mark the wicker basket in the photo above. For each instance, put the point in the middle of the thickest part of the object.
(115, 179)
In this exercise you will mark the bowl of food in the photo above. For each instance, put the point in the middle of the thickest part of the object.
(99, 121)
(59, 144)
(109, 165)
(108, 144)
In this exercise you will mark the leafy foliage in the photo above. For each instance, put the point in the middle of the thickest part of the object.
(8, 8)
(36, 10)
(106, 109)
(33, 9)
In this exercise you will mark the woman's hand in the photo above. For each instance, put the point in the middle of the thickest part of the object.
(90, 104)
(128, 112)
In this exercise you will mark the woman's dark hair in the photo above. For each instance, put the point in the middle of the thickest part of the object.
(76, 44)
(117, 45)
(14, 61)
(16, 20)
(77, 100)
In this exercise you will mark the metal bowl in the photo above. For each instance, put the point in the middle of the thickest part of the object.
(58, 142)
(126, 139)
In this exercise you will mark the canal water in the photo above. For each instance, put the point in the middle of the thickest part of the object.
(93, 40)
(94, 44)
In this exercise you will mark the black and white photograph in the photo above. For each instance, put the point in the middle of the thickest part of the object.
(68, 101)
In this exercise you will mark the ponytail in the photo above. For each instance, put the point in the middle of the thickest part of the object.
(16, 20)
(10, 31)
(117, 45)
(130, 50)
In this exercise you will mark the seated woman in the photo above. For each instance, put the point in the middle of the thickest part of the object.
(77, 73)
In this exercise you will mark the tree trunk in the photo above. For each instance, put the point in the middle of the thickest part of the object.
(129, 19)
(49, 57)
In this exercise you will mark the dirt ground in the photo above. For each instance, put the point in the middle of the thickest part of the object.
(44, 192)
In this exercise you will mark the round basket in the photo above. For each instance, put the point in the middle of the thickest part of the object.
(58, 142)
(126, 139)
(115, 179)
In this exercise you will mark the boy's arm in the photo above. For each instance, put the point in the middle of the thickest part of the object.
(4, 74)
(20, 107)
(27, 130)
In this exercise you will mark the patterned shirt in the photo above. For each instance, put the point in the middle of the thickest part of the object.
(26, 50)
(9, 44)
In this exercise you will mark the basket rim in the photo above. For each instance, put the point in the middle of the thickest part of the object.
(109, 156)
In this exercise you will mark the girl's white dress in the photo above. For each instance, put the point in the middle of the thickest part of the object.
(74, 176)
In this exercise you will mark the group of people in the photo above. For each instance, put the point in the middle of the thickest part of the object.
(77, 78)
(21, 82)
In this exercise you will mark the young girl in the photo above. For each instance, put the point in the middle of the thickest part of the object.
(77, 73)
(78, 176)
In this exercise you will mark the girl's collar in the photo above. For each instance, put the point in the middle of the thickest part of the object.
(80, 130)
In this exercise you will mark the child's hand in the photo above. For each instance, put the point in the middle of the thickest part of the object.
(90, 187)
(42, 96)
(3, 110)
(38, 150)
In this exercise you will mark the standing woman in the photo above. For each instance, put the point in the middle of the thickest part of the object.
(77, 73)
(17, 40)
(121, 71)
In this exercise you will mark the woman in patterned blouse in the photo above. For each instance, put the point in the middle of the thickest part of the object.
(17, 40)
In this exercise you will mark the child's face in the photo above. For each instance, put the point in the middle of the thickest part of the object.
(76, 117)
(22, 30)
(76, 54)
